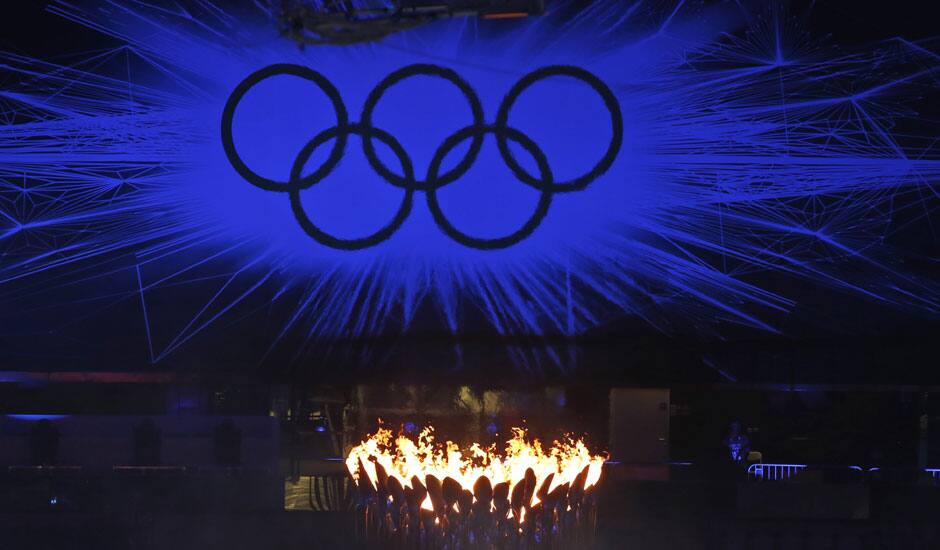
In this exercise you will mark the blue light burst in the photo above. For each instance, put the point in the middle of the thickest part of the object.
(748, 149)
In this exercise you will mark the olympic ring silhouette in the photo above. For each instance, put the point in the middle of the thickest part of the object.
(544, 182)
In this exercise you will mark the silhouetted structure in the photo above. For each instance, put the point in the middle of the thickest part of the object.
(227, 444)
(44, 443)
(148, 444)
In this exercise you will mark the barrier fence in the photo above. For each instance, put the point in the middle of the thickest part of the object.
(774, 472)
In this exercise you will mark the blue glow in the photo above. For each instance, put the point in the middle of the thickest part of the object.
(37, 417)
(747, 150)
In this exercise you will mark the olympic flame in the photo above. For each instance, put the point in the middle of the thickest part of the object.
(446, 478)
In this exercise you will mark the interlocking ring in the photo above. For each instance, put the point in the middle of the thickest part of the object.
(610, 101)
(434, 180)
(545, 200)
(337, 133)
(475, 107)
(228, 114)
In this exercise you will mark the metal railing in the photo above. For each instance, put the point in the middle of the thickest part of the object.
(774, 472)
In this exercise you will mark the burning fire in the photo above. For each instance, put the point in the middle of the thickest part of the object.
(448, 479)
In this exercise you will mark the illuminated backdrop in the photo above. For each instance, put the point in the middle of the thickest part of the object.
(747, 148)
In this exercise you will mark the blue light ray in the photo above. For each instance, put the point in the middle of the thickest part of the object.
(748, 149)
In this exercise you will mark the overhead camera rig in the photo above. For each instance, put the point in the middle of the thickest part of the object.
(337, 22)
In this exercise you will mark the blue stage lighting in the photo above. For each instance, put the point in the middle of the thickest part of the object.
(748, 156)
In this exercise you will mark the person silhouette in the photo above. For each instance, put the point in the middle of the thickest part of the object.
(737, 442)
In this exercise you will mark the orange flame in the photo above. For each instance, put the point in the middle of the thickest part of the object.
(404, 459)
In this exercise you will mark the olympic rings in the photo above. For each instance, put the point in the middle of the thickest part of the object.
(428, 70)
(434, 180)
(545, 200)
(228, 114)
(338, 133)
(596, 84)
